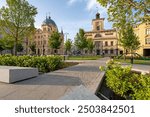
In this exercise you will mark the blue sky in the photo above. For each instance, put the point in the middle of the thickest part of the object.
(68, 14)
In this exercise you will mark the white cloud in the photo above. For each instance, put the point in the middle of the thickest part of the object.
(70, 2)
(2, 3)
(91, 5)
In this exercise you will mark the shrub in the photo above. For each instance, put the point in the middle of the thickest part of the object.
(127, 84)
(44, 63)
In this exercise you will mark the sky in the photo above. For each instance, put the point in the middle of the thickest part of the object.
(69, 15)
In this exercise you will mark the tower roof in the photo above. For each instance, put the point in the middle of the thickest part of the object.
(97, 15)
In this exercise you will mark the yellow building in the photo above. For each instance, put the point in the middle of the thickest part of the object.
(143, 32)
(42, 35)
(105, 41)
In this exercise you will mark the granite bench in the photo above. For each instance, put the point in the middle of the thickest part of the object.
(11, 74)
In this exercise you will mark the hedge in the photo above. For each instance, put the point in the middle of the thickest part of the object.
(43, 63)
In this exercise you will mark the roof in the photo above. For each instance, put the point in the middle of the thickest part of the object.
(108, 30)
(49, 21)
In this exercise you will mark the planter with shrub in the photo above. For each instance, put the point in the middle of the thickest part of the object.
(125, 83)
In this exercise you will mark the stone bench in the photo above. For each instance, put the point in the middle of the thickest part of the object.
(10, 74)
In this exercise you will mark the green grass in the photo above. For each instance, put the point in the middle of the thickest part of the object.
(84, 57)
(69, 64)
(143, 62)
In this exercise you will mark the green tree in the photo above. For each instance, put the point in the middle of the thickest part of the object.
(55, 41)
(122, 12)
(7, 44)
(68, 45)
(80, 40)
(19, 47)
(90, 45)
(1, 46)
(117, 9)
(129, 40)
(32, 47)
(17, 20)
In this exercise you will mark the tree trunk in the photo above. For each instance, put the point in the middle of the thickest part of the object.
(15, 47)
(132, 58)
(124, 54)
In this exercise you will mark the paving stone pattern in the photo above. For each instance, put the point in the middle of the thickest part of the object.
(57, 84)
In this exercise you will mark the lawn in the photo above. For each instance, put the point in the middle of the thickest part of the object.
(144, 62)
(84, 57)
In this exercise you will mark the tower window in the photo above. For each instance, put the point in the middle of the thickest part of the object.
(98, 27)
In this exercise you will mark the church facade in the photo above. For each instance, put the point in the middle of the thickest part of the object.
(41, 38)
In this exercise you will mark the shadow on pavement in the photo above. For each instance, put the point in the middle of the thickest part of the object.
(49, 79)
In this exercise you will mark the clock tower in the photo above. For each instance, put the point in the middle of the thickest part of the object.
(98, 23)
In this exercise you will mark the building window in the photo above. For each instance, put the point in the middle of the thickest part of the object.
(111, 51)
(38, 37)
(106, 43)
(49, 29)
(98, 35)
(97, 44)
(109, 33)
(147, 41)
(35, 37)
(106, 51)
(112, 43)
(38, 42)
(44, 42)
(148, 31)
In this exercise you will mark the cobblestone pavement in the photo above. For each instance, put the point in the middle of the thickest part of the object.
(55, 84)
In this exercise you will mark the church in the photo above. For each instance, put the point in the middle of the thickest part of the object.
(41, 38)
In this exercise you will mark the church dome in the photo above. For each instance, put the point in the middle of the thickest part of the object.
(49, 21)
